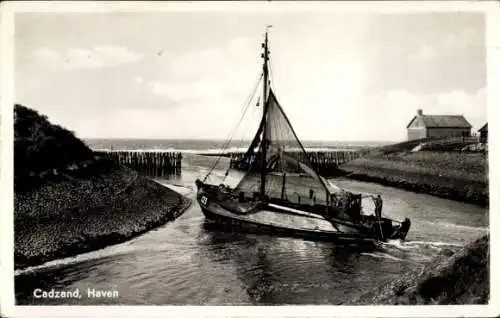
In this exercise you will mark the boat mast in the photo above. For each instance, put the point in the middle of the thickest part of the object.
(265, 83)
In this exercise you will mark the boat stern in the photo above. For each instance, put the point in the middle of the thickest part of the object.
(387, 229)
(401, 230)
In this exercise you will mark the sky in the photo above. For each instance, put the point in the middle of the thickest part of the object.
(339, 76)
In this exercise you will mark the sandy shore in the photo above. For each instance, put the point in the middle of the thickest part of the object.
(456, 176)
(461, 278)
(74, 216)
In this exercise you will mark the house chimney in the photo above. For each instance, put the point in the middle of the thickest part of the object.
(420, 112)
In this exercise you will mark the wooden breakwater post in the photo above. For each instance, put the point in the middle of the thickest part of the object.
(150, 163)
(325, 162)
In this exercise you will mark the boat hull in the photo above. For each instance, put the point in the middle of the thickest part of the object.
(235, 224)
(217, 211)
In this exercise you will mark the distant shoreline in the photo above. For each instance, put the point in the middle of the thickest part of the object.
(304, 142)
(207, 145)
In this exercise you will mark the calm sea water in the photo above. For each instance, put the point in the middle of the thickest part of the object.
(184, 262)
(192, 145)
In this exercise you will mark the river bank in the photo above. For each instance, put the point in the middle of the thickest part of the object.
(460, 278)
(456, 279)
(78, 215)
(67, 201)
(451, 175)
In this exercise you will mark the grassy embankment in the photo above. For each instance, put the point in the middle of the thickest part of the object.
(462, 278)
(457, 176)
(68, 202)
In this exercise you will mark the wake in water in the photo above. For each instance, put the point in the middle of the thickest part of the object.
(384, 255)
(412, 251)
(434, 244)
(412, 245)
(110, 251)
(457, 226)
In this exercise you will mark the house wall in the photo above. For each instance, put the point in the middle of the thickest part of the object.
(416, 130)
(484, 136)
(447, 132)
(416, 133)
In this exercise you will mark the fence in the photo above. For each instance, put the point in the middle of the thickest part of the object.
(151, 163)
(325, 162)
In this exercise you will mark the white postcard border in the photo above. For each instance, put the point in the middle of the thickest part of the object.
(8, 10)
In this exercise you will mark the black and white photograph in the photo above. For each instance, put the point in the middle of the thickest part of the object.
(249, 154)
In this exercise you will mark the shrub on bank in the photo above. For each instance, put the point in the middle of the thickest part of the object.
(67, 201)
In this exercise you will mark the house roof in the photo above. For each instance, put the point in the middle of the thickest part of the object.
(443, 121)
(484, 128)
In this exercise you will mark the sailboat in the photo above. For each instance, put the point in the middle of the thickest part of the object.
(281, 194)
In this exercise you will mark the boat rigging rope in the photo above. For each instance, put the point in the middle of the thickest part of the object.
(271, 75)
(247, 125)
(233, 131)
(380, 226)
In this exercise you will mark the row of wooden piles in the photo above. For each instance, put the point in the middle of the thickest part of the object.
(326, 162)
(150, 163)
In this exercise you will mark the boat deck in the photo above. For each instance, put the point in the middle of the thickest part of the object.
(290, 218)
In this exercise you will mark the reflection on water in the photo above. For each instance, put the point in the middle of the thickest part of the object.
(282, 270)
(187, 262)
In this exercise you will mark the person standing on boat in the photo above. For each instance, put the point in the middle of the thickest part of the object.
(378, 206)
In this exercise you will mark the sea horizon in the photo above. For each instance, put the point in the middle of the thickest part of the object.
(212, 145)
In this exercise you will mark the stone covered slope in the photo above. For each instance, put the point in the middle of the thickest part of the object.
(459, 279)
(67, 202)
